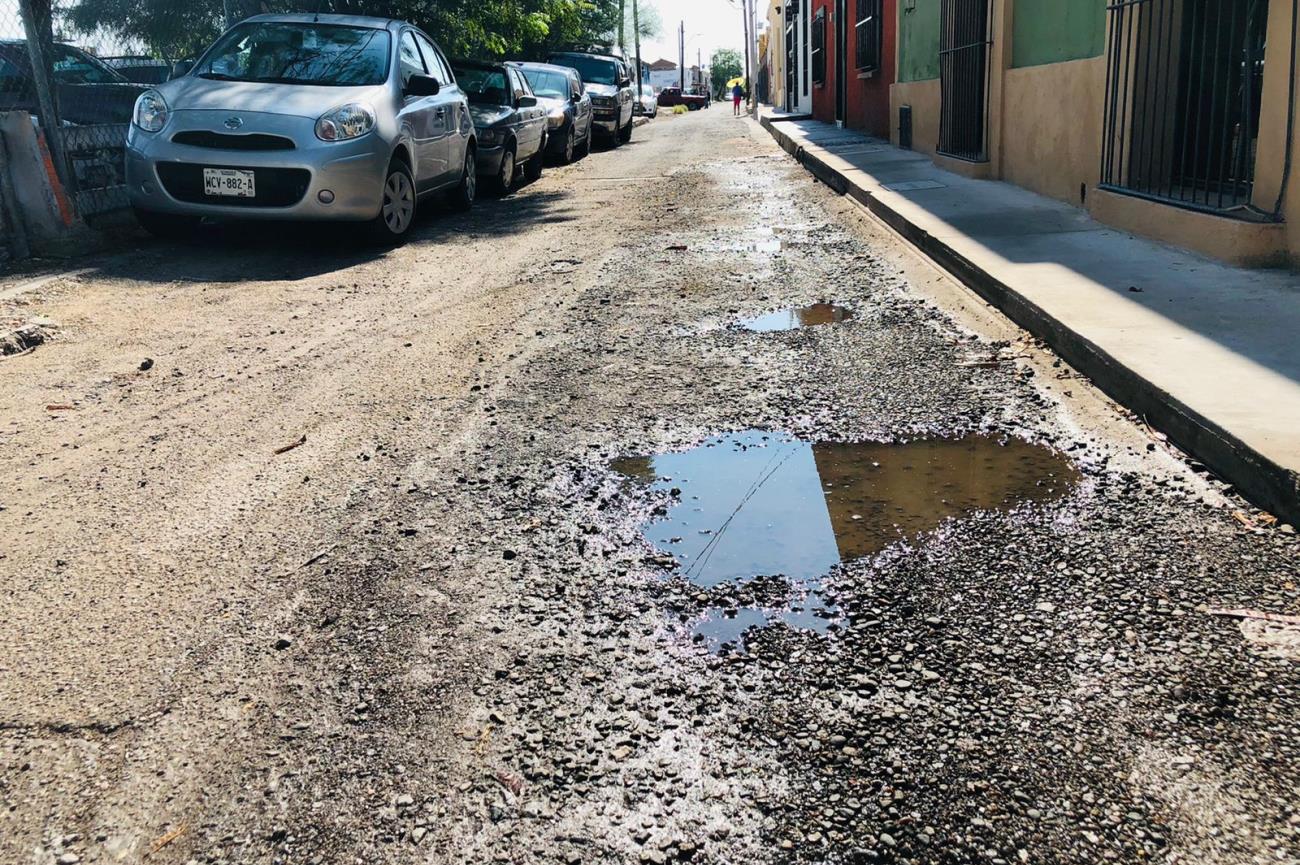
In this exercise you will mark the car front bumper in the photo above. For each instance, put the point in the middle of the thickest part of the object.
(488, 159)
(165, 176)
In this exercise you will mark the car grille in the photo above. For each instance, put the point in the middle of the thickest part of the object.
(276, 187)
(221, 141)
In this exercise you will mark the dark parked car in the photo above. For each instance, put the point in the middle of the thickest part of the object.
(509, 122)
(672, 96)
(609, 84)
(88, 90)
(141, 70)
(568, 108)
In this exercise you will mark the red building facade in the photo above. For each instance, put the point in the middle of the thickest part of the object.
(853, 45)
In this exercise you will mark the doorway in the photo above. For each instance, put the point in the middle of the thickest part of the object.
(841, 61)
(1183, 100)
(964, 42)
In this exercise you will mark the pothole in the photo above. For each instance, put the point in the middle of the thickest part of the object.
(758, 503)
(793, 318)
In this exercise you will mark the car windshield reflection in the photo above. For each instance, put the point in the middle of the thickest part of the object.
(328, 55)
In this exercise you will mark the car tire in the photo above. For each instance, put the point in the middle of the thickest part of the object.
(505, 178)
(462, 197)
(533, 167)
(586, 141)
(625, 134)
(397, 207)
(166, 226)
(570, 147)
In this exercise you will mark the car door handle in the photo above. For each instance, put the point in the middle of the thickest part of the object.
(441, 112)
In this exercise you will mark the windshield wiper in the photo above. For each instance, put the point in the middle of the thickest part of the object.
(219, 76)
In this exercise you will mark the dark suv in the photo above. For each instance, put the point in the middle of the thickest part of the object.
(608, 82)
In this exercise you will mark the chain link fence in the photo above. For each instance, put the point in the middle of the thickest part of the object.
(77, 66)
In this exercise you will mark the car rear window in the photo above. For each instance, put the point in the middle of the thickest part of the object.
(594, 70)
(280, 52)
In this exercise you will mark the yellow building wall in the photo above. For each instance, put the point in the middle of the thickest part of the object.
(1052, 127)
(923, 96)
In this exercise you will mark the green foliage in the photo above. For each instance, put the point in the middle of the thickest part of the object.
(525, 29)
(724, 65)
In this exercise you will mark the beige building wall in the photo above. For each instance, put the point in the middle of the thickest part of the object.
(1051, 123)
(1045, 134)
(776, 52)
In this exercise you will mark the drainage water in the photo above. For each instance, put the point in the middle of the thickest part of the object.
(758, 503)
(796, 317)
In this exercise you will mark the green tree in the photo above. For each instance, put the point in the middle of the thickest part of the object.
(724, 65)
(464, 28)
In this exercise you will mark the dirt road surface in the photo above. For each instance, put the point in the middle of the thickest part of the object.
(315, 554)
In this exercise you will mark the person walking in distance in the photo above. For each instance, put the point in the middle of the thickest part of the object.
(737, 93)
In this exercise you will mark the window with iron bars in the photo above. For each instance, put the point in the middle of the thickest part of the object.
(819, 47)
(867, 35)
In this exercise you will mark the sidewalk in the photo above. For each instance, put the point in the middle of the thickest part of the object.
(1208, 353)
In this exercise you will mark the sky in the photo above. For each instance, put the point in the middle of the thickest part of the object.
(710, 24)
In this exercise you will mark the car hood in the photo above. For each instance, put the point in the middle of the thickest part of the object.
(486, 115)
(296, 100)
(602, 89)
(550, 103)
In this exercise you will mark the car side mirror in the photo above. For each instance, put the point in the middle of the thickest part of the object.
(422, 85)
(180, 69)
(623, 82)
(526, 101)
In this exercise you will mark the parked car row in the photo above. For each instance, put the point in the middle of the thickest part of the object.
(334, 117)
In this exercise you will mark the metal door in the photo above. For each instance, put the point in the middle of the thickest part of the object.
(964, 79)
(791, 56)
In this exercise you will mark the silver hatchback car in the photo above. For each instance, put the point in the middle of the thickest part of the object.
(311, 117)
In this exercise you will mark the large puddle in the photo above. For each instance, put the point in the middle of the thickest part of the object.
(793, 318)
(759, 503)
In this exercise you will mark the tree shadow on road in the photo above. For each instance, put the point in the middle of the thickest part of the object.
(249, 251)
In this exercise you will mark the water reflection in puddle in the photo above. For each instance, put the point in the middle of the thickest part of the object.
(796, 317)
(758, 503)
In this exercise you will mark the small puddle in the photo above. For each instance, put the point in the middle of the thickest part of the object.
(793, 318)
(759, 503)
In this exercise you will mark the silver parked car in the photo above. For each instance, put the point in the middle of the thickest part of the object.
(333, 117)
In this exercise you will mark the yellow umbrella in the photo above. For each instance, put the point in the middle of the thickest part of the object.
(733, 82)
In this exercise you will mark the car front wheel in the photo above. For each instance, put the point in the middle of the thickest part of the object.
(625, 134)
(462, 197)
(397, 209)
(505, 179)
(570, 146)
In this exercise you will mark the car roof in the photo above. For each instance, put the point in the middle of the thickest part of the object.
(600, 54)
(478, 64)
(370, 21)
(545, 67)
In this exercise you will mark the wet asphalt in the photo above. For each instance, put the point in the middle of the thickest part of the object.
(961, 612)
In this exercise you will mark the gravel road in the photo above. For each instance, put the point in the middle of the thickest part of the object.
(316, 554)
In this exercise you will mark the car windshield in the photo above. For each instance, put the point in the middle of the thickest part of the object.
(545, 83)
(594, 70)
(329, 55)
(73, 67)
(484, 86)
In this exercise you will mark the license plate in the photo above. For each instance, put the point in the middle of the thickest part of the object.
(228, 181)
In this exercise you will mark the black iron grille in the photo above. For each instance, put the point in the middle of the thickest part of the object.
(221, 141)
(276, 187)
(963, 78)
(1183, 88)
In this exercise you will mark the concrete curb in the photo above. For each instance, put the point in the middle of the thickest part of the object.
(1268, 484)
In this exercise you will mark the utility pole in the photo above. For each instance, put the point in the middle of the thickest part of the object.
(622, 15)
(38, 26)
(681, 56)
(744, 17)
(753, 33)
(636, 39)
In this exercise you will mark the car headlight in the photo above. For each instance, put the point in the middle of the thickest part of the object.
(556, 118)
(151, 111)
(489, 137)
(345, 122)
